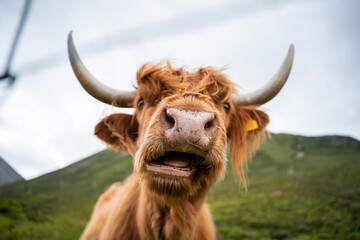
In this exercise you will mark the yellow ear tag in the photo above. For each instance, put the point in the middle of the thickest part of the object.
(252, 125)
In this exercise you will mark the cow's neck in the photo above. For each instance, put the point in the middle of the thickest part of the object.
(167, 221)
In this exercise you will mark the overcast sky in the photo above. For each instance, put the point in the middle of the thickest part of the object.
(47, 119)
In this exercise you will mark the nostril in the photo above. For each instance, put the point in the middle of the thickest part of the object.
(209, 124)
(170, 120)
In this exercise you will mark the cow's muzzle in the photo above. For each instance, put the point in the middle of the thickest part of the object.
(189, 135)
(189, 127)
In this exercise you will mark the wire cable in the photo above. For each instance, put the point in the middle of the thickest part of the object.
(7, 74)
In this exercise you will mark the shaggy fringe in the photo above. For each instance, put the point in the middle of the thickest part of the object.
(164, 80)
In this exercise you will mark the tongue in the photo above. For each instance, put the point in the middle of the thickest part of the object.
(177, 160)
(176, 163)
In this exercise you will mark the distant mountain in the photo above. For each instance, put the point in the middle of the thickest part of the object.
(338, 139)
(8, 174)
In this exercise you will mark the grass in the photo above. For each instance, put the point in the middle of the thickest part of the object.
(195, 145)
(207, 135)
(299, 188)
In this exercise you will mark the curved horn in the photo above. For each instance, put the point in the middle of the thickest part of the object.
(272, 88)
(95, 88)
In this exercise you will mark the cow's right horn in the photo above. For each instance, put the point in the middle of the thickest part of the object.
(95, 88)
(271, 88)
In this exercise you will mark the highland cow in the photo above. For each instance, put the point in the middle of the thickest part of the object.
(178, 137)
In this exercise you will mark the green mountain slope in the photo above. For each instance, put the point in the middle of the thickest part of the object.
(299, 188)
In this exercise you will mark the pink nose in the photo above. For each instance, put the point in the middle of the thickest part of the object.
(193, 127)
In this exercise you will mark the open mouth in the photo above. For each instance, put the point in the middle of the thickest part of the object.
(177, 164)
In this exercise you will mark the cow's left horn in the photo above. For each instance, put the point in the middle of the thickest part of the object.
(95, 88)
(272, 88)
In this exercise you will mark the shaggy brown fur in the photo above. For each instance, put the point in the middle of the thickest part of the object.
(150, 206)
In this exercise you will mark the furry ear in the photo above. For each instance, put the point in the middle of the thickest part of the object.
(118, 131)
(243, 141)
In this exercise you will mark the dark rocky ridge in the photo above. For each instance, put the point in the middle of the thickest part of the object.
(8, 174)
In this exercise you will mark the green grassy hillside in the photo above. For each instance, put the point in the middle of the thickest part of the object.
(299, 188)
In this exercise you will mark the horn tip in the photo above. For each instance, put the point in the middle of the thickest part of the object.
(292, 48)
(70, 39)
